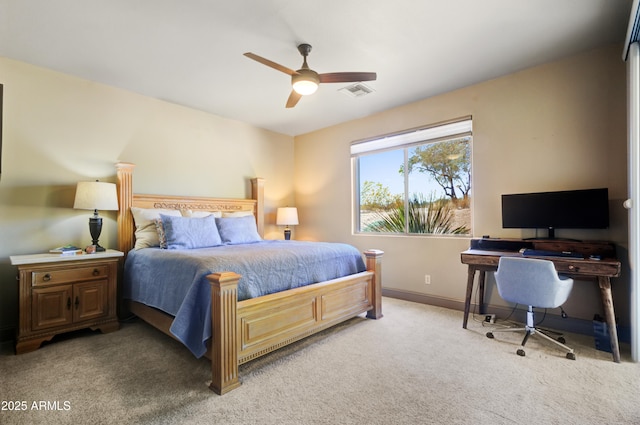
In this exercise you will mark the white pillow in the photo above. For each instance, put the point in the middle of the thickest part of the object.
(237, 214)
(200, 213)
(146, 232)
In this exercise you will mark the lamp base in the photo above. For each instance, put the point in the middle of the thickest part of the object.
(287, 234)
(95, 228)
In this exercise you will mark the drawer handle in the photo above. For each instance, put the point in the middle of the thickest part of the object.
(46, 277)
(96, 272)
(77, 302)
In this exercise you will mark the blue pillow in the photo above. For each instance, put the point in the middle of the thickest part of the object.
(237, 230)
(190, 232)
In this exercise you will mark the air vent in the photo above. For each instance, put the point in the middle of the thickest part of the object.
(356, 90)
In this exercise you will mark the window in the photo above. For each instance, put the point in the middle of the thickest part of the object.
(415, 182)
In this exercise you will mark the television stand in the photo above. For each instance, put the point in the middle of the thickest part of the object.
(552, 233)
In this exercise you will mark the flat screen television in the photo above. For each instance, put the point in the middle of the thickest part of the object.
(569, 209)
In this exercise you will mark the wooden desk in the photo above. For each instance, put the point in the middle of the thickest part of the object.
(602, 270)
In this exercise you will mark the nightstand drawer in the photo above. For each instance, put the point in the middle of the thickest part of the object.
(53, 277)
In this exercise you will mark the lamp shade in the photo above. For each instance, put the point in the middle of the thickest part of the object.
(96, 196)
(287, 216)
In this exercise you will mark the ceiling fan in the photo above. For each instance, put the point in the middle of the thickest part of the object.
(305, 80)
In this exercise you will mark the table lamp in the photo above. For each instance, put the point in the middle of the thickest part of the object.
(96, 196)
(287, 216)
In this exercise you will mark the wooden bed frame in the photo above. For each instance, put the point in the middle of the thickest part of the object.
(245, 330)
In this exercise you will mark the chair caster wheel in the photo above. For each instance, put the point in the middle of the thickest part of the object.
(490, 335)
(520, 352)
(561, 340)
(571, 356)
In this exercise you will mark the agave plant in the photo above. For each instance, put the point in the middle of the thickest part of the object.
(432, 216)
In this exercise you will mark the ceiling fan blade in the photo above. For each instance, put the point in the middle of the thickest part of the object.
(271, 64)
(294, 97)
(347, 77)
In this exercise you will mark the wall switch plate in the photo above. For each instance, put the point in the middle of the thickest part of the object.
(427, 279)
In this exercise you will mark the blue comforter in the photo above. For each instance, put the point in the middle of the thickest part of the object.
(174, 281)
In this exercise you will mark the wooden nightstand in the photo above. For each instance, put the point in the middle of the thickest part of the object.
(61, 293)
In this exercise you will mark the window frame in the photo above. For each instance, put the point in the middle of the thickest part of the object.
(446, 130)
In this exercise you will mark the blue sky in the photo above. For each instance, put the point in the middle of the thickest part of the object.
(383, 168)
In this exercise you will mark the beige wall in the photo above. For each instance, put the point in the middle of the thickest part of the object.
(557, 126)
(561, 125)
(59, 130)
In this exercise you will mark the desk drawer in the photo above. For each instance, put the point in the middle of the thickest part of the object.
(53, 277)
(588, 268)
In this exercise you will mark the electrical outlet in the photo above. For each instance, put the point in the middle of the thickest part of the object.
(490, 318)
(427, 279)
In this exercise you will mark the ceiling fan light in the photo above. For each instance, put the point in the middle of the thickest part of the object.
(305, 87)
(305, 81)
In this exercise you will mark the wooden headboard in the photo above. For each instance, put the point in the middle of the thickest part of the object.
(128, 199)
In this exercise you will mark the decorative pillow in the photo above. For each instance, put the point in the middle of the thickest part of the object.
(237, 230)
(190, 232)
(237, 214)
(191, 213)
(162, 238)
(146, 233)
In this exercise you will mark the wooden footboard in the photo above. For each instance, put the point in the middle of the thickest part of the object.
(249, 329)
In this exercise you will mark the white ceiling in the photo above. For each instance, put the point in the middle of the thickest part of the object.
(189, 52)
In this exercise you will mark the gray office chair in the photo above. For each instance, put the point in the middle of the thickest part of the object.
(535, 283)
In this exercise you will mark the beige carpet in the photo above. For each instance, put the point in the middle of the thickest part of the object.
(415, 366)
